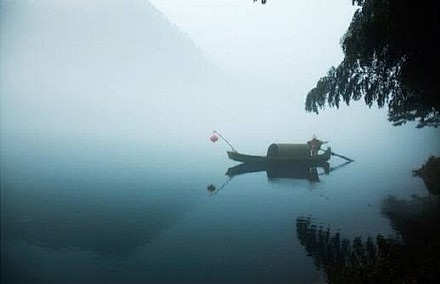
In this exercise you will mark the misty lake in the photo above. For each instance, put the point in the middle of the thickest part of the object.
(124, 212)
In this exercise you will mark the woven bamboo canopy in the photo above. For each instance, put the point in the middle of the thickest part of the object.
(288, 151)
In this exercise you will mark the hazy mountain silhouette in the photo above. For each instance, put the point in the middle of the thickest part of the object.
(72, 69)
(82, 65)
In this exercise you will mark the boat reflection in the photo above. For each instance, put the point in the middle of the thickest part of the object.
(274, 171)
(278, 171)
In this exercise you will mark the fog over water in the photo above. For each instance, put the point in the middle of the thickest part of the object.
(106, 110)
(108, 68)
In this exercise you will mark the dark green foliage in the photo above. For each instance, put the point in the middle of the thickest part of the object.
(391, 58)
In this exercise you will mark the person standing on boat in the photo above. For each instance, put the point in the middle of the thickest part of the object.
(315, 145)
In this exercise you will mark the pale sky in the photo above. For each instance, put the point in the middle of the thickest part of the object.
(281, 49)
(280, 40)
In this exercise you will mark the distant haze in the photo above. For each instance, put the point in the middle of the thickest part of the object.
(282, 41)
(93, 67)
(164, 76)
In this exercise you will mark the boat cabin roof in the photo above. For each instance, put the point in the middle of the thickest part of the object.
(287, 150)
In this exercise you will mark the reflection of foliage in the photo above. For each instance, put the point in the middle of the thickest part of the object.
(371, 261)
(418, 222)
(430, 173)
(391, 57)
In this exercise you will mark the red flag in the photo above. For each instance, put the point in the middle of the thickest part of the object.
(213, 138)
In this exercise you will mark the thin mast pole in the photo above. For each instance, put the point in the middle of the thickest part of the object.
(224, 139)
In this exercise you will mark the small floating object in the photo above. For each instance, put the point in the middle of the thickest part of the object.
(211, 187)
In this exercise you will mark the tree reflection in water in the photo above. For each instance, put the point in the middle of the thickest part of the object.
(412, 257)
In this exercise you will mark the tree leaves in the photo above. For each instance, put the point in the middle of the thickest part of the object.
(391, 58)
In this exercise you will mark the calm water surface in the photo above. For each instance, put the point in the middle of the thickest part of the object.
(123, 212)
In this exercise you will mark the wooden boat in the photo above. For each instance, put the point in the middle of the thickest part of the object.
(239, 157)
(283, 153)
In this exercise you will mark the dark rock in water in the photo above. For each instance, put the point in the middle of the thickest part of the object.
(430, 173)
